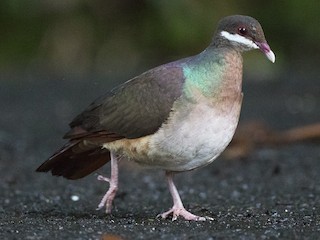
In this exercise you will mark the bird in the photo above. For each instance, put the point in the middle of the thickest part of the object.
(176, 117)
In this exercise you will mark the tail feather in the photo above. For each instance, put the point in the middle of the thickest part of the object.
(75, 160)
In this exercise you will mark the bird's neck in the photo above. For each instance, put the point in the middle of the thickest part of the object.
(214, 73)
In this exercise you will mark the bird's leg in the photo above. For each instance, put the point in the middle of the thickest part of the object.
(113, 185)
(178, 208)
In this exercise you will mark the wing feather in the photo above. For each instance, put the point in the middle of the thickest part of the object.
(134, 109)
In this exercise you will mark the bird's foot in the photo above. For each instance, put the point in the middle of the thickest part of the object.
(109, 196)
(181, 211)
(113, 185)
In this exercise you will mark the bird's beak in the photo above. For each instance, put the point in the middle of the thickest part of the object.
(265, 48)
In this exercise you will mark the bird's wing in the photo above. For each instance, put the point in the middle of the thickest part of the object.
(134, 109)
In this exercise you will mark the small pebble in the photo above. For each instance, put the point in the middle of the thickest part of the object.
(75, 198)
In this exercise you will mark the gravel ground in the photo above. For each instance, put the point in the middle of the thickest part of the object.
(272, 194)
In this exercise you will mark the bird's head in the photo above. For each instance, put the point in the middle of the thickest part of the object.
(245, 33)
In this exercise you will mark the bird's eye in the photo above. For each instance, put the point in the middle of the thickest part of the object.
(242, 30)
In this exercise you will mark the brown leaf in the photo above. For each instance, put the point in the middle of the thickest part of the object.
(108, 236)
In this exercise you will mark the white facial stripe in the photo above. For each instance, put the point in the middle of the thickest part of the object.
(239, 39)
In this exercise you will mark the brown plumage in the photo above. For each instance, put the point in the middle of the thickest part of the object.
(74, 162)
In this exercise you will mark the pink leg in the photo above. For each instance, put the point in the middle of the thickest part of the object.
(113, 185)
(178, 208)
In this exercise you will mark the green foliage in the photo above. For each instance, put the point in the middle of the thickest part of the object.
(97, 35)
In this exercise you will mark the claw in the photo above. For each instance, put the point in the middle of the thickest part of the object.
(178, 211)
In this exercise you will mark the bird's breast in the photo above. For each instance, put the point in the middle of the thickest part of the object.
(195, 137)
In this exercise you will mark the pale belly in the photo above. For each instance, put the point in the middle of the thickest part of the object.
(190, 139)
(185, 144)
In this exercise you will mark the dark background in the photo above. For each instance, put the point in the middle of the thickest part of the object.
(58, 56)
(112, 38)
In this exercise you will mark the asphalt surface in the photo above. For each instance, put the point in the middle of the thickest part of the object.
(272, 194)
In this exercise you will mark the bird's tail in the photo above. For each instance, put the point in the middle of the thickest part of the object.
(76, 159)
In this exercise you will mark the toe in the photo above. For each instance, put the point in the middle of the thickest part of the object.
(176, 212)
(102, 178)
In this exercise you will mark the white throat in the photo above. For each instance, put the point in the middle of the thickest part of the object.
(239, 39)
